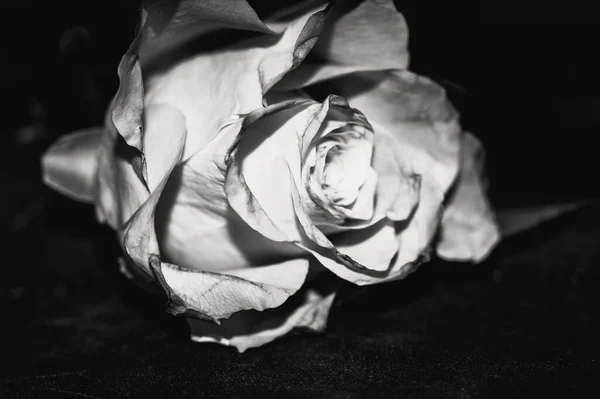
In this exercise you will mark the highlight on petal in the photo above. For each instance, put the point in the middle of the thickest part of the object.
(398, 186)
(374, 246)
(307, 310)
(358, 36)
(469, 230)
(69, 166)
(160, 121)
(121, 190)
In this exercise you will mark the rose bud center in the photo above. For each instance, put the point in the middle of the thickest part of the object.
(337, 171)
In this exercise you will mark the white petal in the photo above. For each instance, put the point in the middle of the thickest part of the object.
(306, 310)
(469, 230)
(374, 246)
(69, 166)
(209, 88)
(358, 36)
(259, 170)
(196, 227)
(219, 295)
(311, 315)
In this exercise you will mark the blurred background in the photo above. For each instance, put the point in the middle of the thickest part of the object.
(523, 76)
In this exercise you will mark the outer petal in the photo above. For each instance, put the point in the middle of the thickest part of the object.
(192, 293)
(215, 296)
(307, 310)
(120, 190)
(469, 230)
(164, 26)
(169, 24)
(196, 227)
(138, 234)
(359, 36)
(210, 88)
(69, 166)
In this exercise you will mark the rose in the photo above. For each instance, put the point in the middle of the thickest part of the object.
(235, 184)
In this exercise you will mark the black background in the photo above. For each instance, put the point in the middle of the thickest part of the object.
(524, 322)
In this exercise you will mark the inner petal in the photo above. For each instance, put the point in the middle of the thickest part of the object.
(338, 169)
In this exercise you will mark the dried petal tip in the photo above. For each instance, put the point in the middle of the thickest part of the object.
(253, 329)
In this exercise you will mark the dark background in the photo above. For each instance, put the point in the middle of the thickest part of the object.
(524, 322)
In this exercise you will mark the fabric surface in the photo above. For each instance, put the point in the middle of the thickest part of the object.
(524, 322)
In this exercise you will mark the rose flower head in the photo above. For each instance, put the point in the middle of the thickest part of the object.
(253, 161)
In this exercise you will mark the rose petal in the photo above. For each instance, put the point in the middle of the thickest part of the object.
(280, 214)
(69, 166)
(239, 76)
(397, 184)
(416, 113)
(160, 121)
(107, 203)
(126, 108)
(138, 234)
(374, 246)
(120, 190)
(397, 191)
(218, 296)
(358, 36)
(264, 146)
(170, 24)
(308, 310)
(206, 295)
(311, 316)
(195, 225)
(469, 230)
(209, 88)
